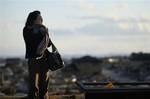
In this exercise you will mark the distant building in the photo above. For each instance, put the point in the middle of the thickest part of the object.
(1, 78)
(2, 63)
(13, 61)
(113, 60)
(140, 56)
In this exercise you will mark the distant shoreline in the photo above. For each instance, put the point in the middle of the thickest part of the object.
(68, 56)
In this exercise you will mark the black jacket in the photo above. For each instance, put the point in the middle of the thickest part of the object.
(32, 37)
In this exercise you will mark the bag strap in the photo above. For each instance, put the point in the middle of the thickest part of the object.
(54, 49)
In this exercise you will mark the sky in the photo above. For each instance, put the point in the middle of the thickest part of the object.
(79, 27)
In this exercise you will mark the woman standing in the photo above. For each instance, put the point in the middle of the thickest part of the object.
(37, 41)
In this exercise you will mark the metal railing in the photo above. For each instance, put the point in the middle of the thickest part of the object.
(118, 87)
(124, 90)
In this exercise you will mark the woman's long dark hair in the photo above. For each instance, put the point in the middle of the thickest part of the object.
(32, 17)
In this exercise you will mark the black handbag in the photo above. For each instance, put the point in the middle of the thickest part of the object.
(53, 59)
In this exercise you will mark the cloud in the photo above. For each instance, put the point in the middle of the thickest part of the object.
(90, 27)
(83, 6)
(124, 25)
(144, 27)
(97, 45)
(108, 28)
(88, 7)
(123, 14)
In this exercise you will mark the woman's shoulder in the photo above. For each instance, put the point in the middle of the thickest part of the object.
(42, 28)
(27, 29)
(39, 28)
(35, 29)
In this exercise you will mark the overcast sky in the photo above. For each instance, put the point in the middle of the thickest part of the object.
(79, 27)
